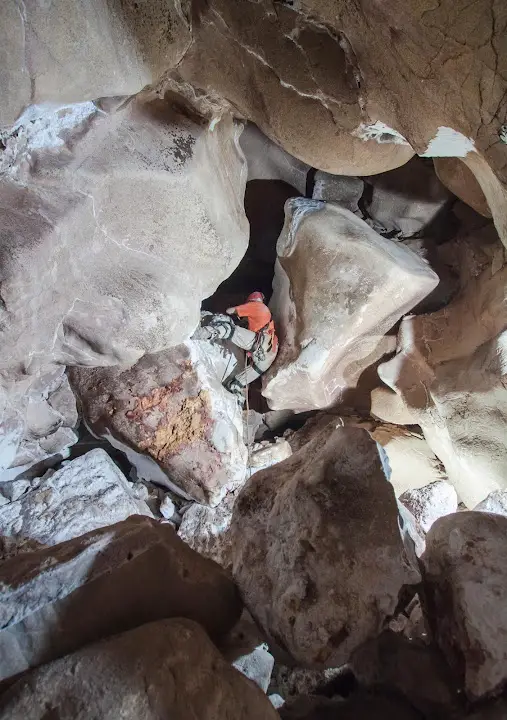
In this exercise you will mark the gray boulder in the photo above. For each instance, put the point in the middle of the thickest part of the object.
(58, 599)
(87, 493)
(166, 669)
(322, 524)
(465, 579)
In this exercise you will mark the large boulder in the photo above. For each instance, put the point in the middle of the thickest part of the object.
(165, 669)
(73, 50)
(116, 225)
(465, 580)
(170, 413)
(58, 599)
(430, 502)
(87, 493)
(449, 373)
(322, 524)
(38, 416)
(338, 288)
(462, 182)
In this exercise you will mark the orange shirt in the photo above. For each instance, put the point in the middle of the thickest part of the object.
(257, 313)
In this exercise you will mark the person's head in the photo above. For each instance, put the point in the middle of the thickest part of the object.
(255, 297)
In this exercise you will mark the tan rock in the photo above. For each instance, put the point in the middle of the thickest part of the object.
(465, 575)
(338, 288)
(58, 599)
(321, 524)
(462, 182)
(168, 668)
(118, 236)
(449, 373)
(172, 417)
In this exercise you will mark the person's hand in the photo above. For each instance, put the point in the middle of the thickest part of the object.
(230, 311)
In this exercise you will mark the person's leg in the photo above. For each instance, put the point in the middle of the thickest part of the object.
(261, 360)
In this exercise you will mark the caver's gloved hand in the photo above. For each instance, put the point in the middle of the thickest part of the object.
(231, 311)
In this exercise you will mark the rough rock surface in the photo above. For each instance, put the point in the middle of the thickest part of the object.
(430, 502)
(58, 599)
(38, 415)
(207, 530)
(496, 502)
(171, 406)
(268, 161)
(465, 578)
(321, 524)
(341, 190)
(87, 493)
(416, 671)
(168, 668)
(449, 373)
(257, 665)
(406, 200)
(116, 225)
(338, 288)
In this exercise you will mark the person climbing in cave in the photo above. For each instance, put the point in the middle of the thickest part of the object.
(250, 327)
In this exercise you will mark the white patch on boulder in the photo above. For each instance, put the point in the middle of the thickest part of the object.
(380, 132)
(449, 143)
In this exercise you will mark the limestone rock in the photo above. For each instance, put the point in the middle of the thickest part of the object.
(338, 288)
(430, 502)
(461, 181)
(38, 415)
(449, 373)
(265, 453)
(268, 161)
(171, 406)
(168, 668)
(496, 502)
(412, 463)
(321, 524)
(207, 530)
(58, 599)
(465, 576)
(257, 666)
(87, 493)
(338, 189)
(406, 200)
(71, 51)
(116, 225)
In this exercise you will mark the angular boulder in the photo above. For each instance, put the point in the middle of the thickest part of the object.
(465, 580)
(341, 190)
(38, 416)
(322, 524)
(449, 374)
(87, 493)
(430, 502)
(338, 288)
(165, 669)
(207, 530)
(173, 418)
(116, 225)
(56, 600)
(496, 502)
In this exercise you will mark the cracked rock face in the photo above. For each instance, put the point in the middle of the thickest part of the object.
(122, 223)
(172, 417)
(449, 374)
(38, 416)
(338, 288)
(321, 524)
(465, 575)
(87, 493)
(168, 668)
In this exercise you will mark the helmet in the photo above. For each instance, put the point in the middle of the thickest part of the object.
(255, 297)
